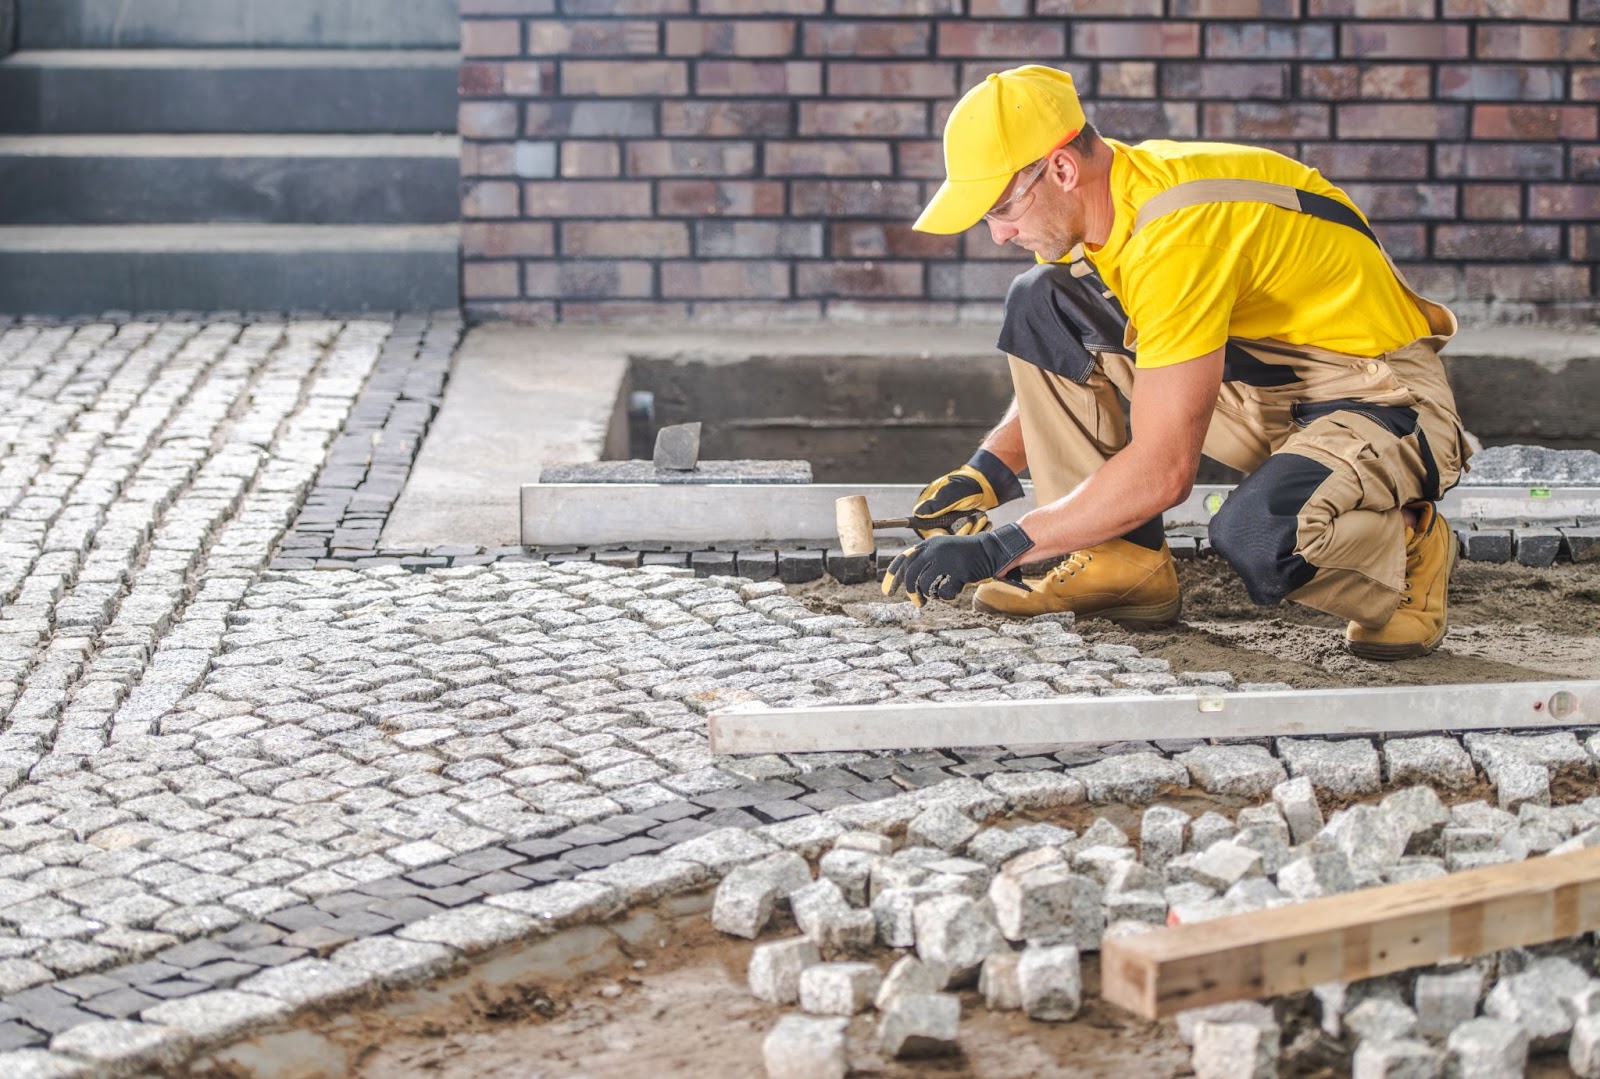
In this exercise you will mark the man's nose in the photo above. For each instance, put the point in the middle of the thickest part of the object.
(1000, 231)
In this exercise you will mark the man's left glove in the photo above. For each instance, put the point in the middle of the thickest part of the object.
(941, 566)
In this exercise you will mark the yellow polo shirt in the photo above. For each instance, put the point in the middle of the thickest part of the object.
(1197, 276)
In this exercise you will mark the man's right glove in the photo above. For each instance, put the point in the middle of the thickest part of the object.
(981, 484)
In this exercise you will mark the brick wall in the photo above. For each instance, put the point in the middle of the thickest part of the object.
(763, 159)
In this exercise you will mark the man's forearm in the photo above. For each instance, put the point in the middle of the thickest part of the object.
(1005, 441)
(1120, 495)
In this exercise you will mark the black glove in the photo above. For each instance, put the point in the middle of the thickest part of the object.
(942, 566)
(981, 484)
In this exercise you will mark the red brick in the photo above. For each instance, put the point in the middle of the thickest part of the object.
(876, 240)
(1401, 121)
(1269, 41)
(480, 80)
(735, 118)
(489, 280)
(1585, 163)
(1534, 122)
(1405, 41)
(566, 37)
(1136, 39)
(1554, 10)
(708, 198)
(491, 37)
(1526, 284)
(505, 239)
(1403, 202)
(763, 78)
(525, 79)
(893, 79)
(624, 7)
(971, 280)
(969, 37)
(637, 78)
(1184, 81)
(1489, 202)
(1367, 161)
(896, 8)
(976, 243)
(1435, 280)
(1127, 78)
(1252, 121)
(487, 119)
(1538, 43)
(587, 198)
(489, 198)
(1512, 242)
(624, 312)
(1586, 84)
(813, 158)
(884, 118)
(682, 157)
(607, 119)
(507, 7)
(724, 279)
(1498, 160)
(569, 279)
(762, 7)
(1330, 82)
(1584, 242)
(856, 198)
(867, 39)
(533, 160)
(583, 159)
(920, 160)
(971, 72)
(1370, 9)
(1589, 10)
(753, 239)
(1403, 241)
(1135, 9)
(884, 280)
(738, 37)
(625, 239)
(1011, 9)
(527, 312)
(1500, 82)
(1136, 120)
(754, 312)
(1564, 201)
(487, 158)
(1235, 9)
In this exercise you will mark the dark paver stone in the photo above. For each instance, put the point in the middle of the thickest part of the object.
(1488, 545)
(272, 955)
(872, 792)
(629, 824)
(542, 848)
(410, 909)
(546, 872)
(224, 973)
(321, 940)
(337, 903)
(454, 895)
(875, 768)
(679, 830)
(55, 1020)
(826, 779)
(251, 935)
(440, 876)
(851, 569)
(591, 858)
(176, 988)
(14, 1035)
(1537, 546)
(500, 882)
(140, 973)
(733, 818)
(389, 888)
(798, 567)
(773, 812)
(757, 565)
(922, 777)
(41, 998)
(120, 1003)
(584, 835)
(712, 563)
(670, 811)
(829, 799)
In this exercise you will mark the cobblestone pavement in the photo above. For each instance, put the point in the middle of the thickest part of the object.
(213, 769)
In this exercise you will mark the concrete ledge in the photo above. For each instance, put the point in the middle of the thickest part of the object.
(98, 24)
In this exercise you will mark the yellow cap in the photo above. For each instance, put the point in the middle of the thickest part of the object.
(1001, 125)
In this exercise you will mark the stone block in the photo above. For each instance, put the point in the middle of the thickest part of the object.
(743, 904)
(1445, 1001)
(998, 984)
(1235, 1050)
(1248, 771)
(806, 1047)
(1161, 834)
(851, 870)
(1422, 805)
(1234, 1011)
(941, 826)
(1371, 838)
(1208, 828)
(1036, 790)
(1534, 1000)
(1487, 544)
(762, 472)
(121, 1046)
(1100, 862)
(838, 988)
(1317, 874)
(775, 968)
(1536, 546)
(1381, 1019)
(1046, 903)
(823, 915)
(1226, 863)
(955, 935)
(920, 1026)
(871, 842)
(1296, 799)
(1343, 767)
(1048, 979)
(1434, 760)
(1583, 1051)
(1488, 1048)
(1130, 777)
(1399, 1059)
(909, 976)
(677, 447)
(894, 913)
(1518, 783)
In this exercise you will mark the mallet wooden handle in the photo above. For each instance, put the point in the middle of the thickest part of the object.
(855, 524)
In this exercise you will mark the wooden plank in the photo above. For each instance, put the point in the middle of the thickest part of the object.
(1355, 935)
(1209, 714)
(555, 514)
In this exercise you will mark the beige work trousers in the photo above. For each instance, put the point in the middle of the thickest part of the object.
(1332, 458)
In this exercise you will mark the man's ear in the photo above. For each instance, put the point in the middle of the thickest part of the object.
(1065, 169)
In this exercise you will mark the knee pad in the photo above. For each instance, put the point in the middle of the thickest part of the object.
(1057, 320)
(1257, 528)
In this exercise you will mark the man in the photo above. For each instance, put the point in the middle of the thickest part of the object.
(1243, 306)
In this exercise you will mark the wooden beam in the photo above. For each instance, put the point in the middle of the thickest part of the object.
(1209, 714)
(556, 514)
(1344, 938)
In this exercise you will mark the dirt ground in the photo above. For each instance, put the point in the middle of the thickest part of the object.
(1508, 623)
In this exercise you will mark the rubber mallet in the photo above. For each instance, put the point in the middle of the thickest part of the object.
(855, 524)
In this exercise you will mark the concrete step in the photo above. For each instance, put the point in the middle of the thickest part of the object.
(295, 24)
(139, 91)
(268, 179)
(68, 270)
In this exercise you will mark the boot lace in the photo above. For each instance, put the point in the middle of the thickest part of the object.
(1070, 566)
(1413, 563)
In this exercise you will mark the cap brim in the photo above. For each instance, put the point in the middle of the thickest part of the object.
(960, 204)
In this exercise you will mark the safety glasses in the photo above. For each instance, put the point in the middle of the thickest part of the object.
(1014, 207)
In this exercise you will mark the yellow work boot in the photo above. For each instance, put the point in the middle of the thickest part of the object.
(1117, 579)
(1419, 623)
